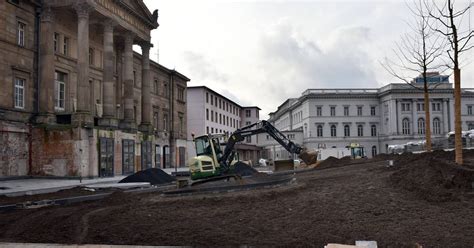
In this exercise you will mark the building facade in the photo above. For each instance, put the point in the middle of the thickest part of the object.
(211, 112)
(76, 100)
(373, 118)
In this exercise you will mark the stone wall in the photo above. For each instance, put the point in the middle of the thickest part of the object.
(14, 149)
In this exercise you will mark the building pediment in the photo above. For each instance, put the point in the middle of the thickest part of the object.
(138, 8)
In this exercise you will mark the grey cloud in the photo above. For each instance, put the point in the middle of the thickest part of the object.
(202, 70)
(292, 63)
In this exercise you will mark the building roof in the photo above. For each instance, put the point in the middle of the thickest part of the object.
(252, 107)
(211, 90)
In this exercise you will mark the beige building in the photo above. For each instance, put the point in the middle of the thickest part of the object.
(76, 100)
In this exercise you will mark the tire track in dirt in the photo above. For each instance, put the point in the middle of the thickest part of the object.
(83, 229)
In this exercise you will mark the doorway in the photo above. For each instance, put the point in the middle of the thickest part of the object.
(106, 157)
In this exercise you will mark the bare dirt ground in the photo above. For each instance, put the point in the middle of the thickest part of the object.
(423, 199)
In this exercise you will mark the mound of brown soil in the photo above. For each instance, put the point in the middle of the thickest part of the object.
(331, 162)
(433, 176)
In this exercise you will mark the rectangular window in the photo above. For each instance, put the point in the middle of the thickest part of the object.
(207, 97)
(257, 113)
(207, 129)
(181, 94)
(155, 86)
(405, 107)
(165, 122)
(128, 156)
(212, 114)
(247, 113)
(215, 101)
(248, 139)
(220, 104)
(60, 90)
(65, 45)
(436, 106)
(166, 90)
(220, 118)
(346, 110)
(155, 119)
(212, 100)
(56, 42)
(420, 107)
(19, 93)
(21, 34)
(212, 130)
(207, 114)
(181, 122)
(333, 111)
(91, 58)
(319, 111)
(469, 110)
(372, 111)
(359, 110)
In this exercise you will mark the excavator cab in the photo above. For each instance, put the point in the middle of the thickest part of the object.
(357, 151)
(208, 152)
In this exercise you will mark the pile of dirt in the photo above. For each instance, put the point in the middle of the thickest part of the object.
(433, 176)
(332, 162)
(244, 169)
(153, 176)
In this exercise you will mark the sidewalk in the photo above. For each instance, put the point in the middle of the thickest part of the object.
(33, 186)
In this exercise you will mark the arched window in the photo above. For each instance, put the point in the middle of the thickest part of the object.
(436, 126)
(347, 131)
(320, 131)
(406, 126)
(360, 130)
(333, 131)
(374, 151)
(421, 126)
(373, 130)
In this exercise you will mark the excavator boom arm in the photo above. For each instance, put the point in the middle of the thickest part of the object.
(253, 129)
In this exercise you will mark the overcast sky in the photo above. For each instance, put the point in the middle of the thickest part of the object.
(264, 52)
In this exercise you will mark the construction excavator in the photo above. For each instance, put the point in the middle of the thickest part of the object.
(213, 162)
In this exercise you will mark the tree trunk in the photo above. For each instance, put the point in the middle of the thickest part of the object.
(457, 115)
(427, 119)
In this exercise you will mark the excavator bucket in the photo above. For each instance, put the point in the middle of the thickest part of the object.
(284, 165)
(309, 157)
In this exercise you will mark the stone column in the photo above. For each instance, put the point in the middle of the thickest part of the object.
(83, 113)
(46, 88)
(145, 125)
(415, 117)
(109, 116)
(129, 115)
(445, 117)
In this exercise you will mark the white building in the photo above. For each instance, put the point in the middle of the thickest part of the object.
(211, 112)
(374, 118)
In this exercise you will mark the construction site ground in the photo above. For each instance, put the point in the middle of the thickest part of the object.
(423, 199)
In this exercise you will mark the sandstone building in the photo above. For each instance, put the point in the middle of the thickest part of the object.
(76, 100)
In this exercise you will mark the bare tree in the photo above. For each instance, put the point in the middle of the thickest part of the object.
(420, 52)
(449, 21)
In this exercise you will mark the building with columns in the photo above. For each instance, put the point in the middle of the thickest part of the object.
(375, 118)
(76, 100)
